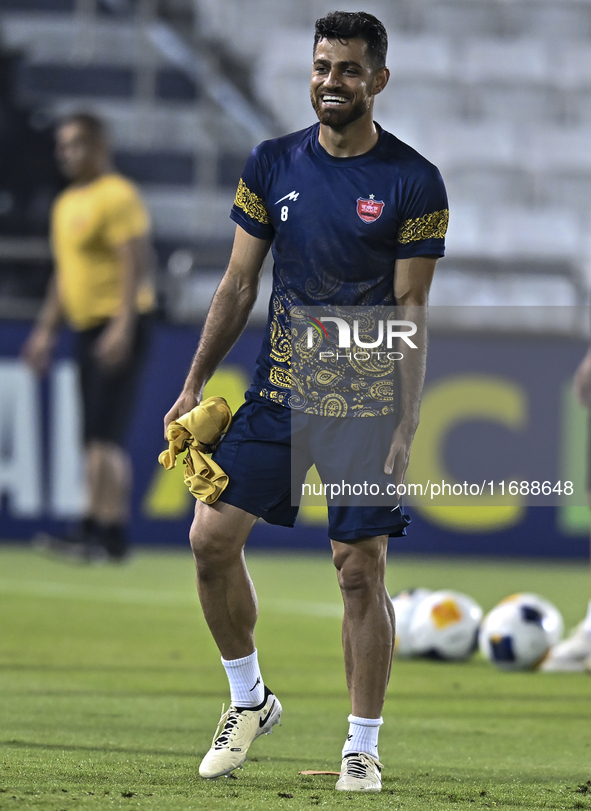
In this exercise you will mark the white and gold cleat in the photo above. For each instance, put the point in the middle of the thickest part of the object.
(360, 772)
(236, 730)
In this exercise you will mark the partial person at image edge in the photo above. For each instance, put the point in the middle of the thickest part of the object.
(573, 654)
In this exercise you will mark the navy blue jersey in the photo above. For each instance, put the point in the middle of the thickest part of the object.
(338, 226)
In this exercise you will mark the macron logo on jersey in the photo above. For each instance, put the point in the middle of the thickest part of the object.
(293, 195)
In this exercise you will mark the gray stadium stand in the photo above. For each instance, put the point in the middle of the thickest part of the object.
(140, 67)
(496, 92)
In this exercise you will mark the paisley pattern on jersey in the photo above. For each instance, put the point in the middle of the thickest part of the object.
(280, 334)
(322, 288)
(353, 382)
(333, 405)
(429, 226)
(251, 204)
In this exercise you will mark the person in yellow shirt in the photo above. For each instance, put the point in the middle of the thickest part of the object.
(100, 237)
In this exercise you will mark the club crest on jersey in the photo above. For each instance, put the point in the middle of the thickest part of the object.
(369, 210)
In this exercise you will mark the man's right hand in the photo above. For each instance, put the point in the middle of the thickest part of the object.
(185, 403)
(38, 349)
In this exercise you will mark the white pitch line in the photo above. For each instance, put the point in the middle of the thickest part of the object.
(111, 594)
(107, 594)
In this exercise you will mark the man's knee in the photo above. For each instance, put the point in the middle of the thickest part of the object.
(106, 452)
(360, 566)
(217, 541)
(210, 549)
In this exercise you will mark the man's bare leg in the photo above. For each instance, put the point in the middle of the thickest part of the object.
(103, 532)
(368, 645)
(108, 471)
(218, 535)
(368, 622)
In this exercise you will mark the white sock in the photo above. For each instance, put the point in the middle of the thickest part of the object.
(363, 736)
(587, 620)
(246, 683)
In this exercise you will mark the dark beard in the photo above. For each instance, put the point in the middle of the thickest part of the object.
(335, 118)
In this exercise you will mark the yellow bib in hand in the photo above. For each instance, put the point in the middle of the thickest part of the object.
(198, 432)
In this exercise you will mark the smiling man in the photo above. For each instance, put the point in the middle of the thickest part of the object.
(344, 83)
(354, 217)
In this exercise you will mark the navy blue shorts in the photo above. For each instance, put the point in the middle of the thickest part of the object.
(266, 457)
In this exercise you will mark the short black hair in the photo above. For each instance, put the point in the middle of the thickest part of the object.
(346, 25)
(95, 127)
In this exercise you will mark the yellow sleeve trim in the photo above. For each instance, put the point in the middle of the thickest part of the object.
(430, 226)
(251, 204)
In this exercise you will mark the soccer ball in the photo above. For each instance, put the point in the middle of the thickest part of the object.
(405, 603)
(552, 621)
(445, 626)
(513, 636)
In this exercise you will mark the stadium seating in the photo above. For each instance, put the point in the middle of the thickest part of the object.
(496, 92)
(158, 115)
(498, 95)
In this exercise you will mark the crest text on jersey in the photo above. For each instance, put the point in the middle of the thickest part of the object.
(369, 209)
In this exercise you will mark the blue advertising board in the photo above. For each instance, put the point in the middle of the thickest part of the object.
(482, 392)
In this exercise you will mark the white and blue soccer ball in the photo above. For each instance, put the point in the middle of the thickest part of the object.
(405, 603)
(444, 625)
(552, 621)
(518, 632)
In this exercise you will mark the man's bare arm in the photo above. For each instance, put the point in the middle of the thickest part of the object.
(412, 282)
(39, 346)
(226, 319)
(114, 345)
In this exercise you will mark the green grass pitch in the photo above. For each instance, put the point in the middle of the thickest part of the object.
(110, 690)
